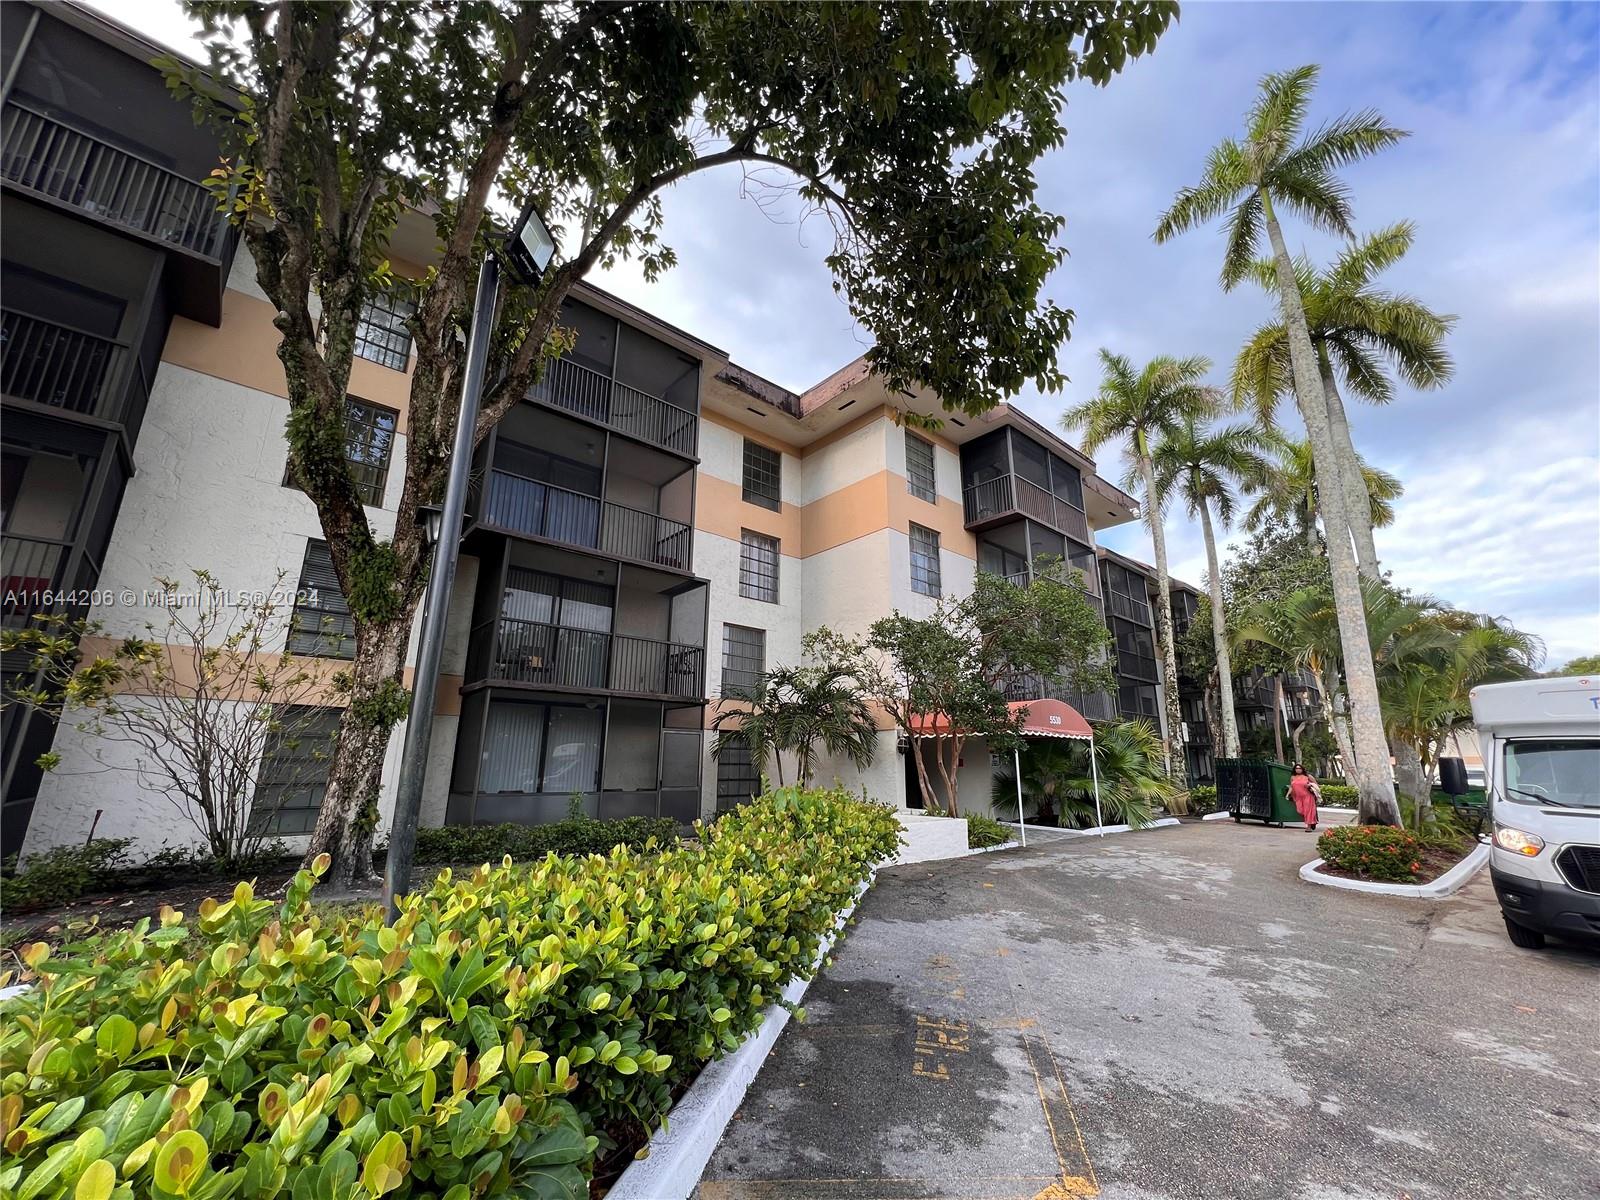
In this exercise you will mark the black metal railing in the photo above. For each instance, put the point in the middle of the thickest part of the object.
(588, 393)
(54, 364)
(538, 653)
(1137, 666)
(1008, 494)
(52, 159)
(30, 575)
(540, 509)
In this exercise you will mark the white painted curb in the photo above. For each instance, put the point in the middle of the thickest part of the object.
(1097, 830)
(1448, 884)
(680, 1150)
(992, 849)
(1217, 816)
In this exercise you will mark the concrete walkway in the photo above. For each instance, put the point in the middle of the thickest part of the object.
(1172, 1014)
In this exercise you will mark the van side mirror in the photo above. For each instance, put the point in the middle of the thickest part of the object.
(1453, 776)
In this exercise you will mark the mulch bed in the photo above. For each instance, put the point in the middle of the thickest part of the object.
(1435, 862)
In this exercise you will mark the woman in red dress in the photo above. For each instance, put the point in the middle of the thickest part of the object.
(1304, 794)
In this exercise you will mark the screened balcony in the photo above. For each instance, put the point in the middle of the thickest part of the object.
(56, 365)
(1006, 475)
(1020, 551)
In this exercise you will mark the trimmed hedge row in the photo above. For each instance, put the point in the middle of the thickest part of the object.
(1203, 800)
(486, 1045)
(1379, 852)
(574, 835)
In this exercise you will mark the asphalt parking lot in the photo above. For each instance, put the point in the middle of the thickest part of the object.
(1169, 1014)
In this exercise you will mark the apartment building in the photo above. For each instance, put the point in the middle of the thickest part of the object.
(647, 533)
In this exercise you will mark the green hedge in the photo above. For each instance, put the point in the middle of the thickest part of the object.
(575, 835)
(1202, 800)
(1372, 852)
(983, 832)
(486, 1045)
(1340, 794)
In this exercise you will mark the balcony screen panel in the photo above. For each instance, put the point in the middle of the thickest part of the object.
(1033, 461)
(1065, 481)
(920, 478)
(596, 347)
(984, 458)
(680, 757)
(572, 755)
(513, 744)
(1045, 542)
(531, 595)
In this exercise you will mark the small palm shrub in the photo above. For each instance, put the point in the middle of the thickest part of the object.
(1057, 782)
(488, 1044)
(983, 832)
(1379, 852)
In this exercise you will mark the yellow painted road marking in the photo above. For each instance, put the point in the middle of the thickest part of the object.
(1077, 1172)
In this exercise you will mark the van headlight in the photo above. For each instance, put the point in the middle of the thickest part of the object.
(1517, 841)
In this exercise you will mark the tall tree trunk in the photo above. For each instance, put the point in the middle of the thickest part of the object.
(1219, 639)
(1172, 744)
(1358, 504)
(1372, 775)
(1408, 770)
(349, 813)
(1341, 737)
(930, 802)
(948, 771)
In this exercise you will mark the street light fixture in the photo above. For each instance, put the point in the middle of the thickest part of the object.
(528, 252)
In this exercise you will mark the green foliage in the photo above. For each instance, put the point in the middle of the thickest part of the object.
(575, 835)
(1589, 664)
(375, 591)
(384, 707)
(1378, 852)
(61, 875)
(484, 1046)
(1340, 795)
(1057, 781)
(1203, 800)
(983, 832)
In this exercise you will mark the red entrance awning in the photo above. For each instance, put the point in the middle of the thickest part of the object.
(1041, 718)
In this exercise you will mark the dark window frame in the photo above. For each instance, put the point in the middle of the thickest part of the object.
(926, 577)
(763, 476)
(381, 333)
(294, 759)
(739, 681)
(320, 599)
(922, 473)
(369, 434)
(759, 567)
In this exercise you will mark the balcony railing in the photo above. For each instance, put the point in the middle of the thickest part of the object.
(1009, 494)
(54, 364)
(537, 653)
(540, 509)
(30, 574)
(1097, 706)
(578, 389)
(1137, 666)
(64, 164)
(1129, 608)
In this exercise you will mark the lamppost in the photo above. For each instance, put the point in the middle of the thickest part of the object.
(528, 251)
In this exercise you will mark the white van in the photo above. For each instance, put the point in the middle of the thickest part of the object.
(1540, 740)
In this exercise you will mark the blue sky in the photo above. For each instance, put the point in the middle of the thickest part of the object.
(1501, 175)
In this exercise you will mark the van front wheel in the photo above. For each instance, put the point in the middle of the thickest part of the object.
(1521, 935)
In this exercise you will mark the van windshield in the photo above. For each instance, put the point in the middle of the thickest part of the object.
(1561, 774)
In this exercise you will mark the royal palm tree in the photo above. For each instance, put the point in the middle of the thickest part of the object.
(1274, 165)
(1356, 328)
(1288, 490)
(1138, 407)
(1204, 467)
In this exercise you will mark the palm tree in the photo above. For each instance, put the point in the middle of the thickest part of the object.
(793, 710)
(1140, 406)
(1133, 783)
(1304, 628)
(1246, 180)
(1204, 467)
(1355, 327)
(1288, 490)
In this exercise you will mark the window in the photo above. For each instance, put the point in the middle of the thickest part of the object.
(381, 333)
(763, 472)
(321, 624)
(744, 658)
(919, 468)
(368, 441)
(737, 777)
(924, 561)
(294, 770)
(758, 566)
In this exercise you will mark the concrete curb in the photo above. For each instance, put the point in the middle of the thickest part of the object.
(1097, 830)
(680, 1149)
(992, 849)
(1448, 884)
(1217, 816)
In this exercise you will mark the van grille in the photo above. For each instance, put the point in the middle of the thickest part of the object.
(1580, 866)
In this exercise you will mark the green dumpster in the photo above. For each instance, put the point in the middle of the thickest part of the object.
(1255, 788)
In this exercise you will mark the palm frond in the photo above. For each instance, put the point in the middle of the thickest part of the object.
(1279, 113)
(1262, 372)
(1225, 177)
(1317, 197)
(1361, 262)
(1342, 141)
(1244, 234)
